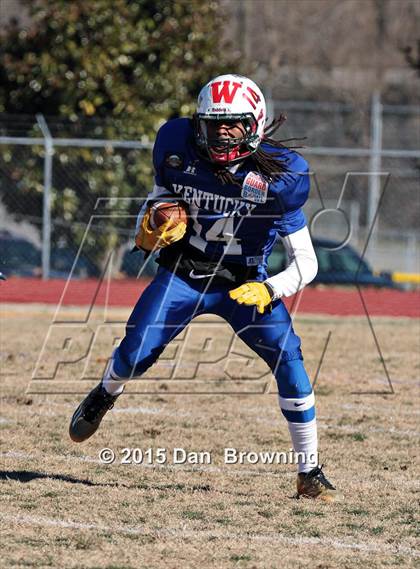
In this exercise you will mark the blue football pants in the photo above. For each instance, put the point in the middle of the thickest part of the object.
(170, 302)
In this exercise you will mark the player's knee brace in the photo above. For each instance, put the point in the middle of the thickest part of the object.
(296, 398)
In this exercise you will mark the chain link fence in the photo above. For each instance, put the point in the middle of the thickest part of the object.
(364, 161)
(369, 157)
(94, 189)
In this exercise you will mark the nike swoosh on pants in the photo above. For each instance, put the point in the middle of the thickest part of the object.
(194, 276)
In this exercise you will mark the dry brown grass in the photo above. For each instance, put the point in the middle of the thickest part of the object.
(62, 508)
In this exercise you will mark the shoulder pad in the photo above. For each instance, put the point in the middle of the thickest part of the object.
(172, 137)
(292, 159)
(292, 189)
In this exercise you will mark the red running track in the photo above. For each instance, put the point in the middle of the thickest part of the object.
(313, 300)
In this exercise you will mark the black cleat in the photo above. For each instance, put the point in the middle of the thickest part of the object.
(314, 484)
(89, 414)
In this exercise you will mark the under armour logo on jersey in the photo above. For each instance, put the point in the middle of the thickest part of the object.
(226, 93)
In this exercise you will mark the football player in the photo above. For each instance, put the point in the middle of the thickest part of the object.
(243, 190)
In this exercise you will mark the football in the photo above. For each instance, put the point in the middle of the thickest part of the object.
(161, 212)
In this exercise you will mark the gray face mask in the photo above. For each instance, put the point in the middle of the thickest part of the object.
(223, 149)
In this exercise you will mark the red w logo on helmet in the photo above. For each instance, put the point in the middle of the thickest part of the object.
(224, 93)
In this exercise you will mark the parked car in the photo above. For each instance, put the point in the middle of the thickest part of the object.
(19, 256)
(62, 260)
(336, 265)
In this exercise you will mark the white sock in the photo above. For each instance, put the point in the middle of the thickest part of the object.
(305, 442)
(112, 383)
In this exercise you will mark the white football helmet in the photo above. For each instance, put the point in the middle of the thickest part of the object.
(230, 98)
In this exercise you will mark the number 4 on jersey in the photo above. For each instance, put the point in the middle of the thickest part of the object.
(222, 230)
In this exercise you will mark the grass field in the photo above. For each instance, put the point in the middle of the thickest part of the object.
(62, 508)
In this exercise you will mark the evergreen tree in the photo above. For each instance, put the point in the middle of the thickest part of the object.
(111, 70)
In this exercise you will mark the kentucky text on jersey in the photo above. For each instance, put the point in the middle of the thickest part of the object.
(213, 202)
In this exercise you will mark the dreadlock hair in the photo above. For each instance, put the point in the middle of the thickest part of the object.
(265, 163)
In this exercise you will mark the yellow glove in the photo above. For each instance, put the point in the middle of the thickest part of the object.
(151, 239)
(254, 293)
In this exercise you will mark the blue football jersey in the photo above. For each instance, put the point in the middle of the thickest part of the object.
(238, 223)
